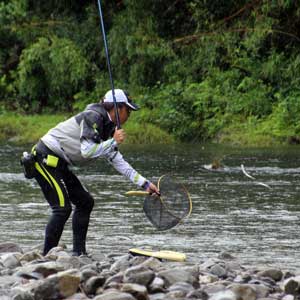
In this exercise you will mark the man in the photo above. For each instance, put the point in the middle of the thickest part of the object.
(84, 137)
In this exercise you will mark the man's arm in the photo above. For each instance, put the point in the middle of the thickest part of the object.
(90, 149)
(122, 166)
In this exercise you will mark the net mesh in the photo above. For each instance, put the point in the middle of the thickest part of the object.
(168, 209)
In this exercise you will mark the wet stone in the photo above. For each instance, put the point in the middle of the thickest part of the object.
(244, 291)
(218, 270)
(138, 291)
(275, 274)
(139, 275)
(10, 248)
(114, 295)
(189, 275)
(92, 284)
(157, 285)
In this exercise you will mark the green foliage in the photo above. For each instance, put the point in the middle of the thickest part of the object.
(12, 11)
(201, 70)
(142, 55)
(50, 72)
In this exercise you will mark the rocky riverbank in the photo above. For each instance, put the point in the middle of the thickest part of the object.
(30, 276)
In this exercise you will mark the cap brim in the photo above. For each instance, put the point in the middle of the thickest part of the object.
(132, 106)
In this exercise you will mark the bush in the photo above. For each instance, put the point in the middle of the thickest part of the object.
(50, 72)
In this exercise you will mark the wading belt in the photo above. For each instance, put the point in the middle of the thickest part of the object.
(48, 157)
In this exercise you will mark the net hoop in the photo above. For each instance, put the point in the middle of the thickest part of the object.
(166, 205)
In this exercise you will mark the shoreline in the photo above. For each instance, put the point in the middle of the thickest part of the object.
(20, 129)
(31, 276)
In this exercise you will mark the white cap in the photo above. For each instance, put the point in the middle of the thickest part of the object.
(121, 97)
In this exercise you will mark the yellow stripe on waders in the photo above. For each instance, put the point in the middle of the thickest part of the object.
(60, 194)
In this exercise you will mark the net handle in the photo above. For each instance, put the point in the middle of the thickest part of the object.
(137, 193)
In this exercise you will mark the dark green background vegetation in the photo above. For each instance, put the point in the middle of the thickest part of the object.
(220, 70)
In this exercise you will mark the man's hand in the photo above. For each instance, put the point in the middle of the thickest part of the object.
(119, 136)
(152, 189)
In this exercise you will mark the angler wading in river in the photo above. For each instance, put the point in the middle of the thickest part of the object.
(84, 137)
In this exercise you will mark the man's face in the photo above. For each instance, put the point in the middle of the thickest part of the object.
(124, 114)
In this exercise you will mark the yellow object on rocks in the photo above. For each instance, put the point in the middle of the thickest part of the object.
(163, 254)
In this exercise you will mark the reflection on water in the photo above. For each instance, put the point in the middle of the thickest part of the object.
(230, 212)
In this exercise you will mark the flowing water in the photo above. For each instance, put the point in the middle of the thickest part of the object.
(231, 212)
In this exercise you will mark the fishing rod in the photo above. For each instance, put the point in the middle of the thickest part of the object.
(109, 66)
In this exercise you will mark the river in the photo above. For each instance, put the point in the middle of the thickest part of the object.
(231, 212)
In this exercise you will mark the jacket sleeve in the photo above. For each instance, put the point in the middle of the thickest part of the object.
(90, 149)
(115, 158)
(108, 150)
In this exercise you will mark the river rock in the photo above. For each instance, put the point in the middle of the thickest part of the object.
(275, 274)
(97, 256)
(23, 295)
(45, 268)
(197, 294)
(117, 278)
(30, 256)
(8, 281)
(152, 263)
(84, 260)
(243, 291)
(77, 296)
(288, 297)
(69, 261)
(114, 295)
(55, 252)
(57, 286)
(205, 266)
(158, 296)
(243, 277)
(233, 265)
(214, 288)
(138, 291)
(11, 260)
(262, 290)
(157, 285)
(94, 266)
(179, 290)
(137, 260)
(26, 289)
(181, 286)
(218, 270)
(225, 295)
(86, 274)
(139, 274)
(187, 274)
(92, 284)
(121, 264)
(177, 294)
(291, 286)
(102, 265)
(10, 248)
(207, 278)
